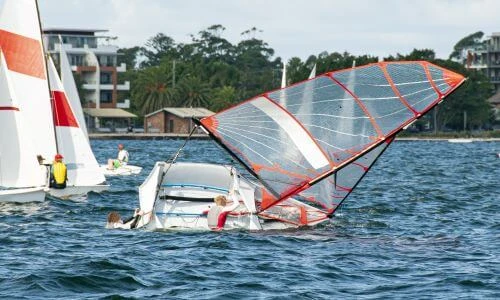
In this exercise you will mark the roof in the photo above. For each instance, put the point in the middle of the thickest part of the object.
(185, 112)
(108, 113)
(495, 99)
(62, 30)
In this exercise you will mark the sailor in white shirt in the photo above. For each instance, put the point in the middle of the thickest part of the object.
(121, 160)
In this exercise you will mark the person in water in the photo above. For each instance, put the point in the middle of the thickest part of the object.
(121, 160)
(58, 173)
(115, 221)
(217, 214)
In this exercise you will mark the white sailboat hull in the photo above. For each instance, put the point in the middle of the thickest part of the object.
(121, 171)
(23, 195)
(186, 195)
(74, 192)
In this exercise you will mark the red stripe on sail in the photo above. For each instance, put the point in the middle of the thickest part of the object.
(23, 55)
(9, 108)
(63, 115)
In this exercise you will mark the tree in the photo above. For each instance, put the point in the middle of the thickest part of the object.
(152, 90)
(468, 41)
(193, 92)
(129, 56)
(222, 98)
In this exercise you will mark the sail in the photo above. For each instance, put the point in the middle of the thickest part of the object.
(83, 169)
(19, 166)
(71, 91)
(290, 151)
(20, 41)
(313, 72)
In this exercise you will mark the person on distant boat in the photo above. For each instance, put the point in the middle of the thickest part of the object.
(121, 160)
(58, 173)
(115, 221)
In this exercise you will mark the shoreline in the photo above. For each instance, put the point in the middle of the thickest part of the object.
(169, 136)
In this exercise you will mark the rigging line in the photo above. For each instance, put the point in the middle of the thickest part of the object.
(361, 105)
(172, 161)
(321, 141)
(275, 150)
(246, 146)
(363, 175)
(392, 113)
(339, 132)
(321, 101)
(335, 116)
(301, 91)
(246, 126)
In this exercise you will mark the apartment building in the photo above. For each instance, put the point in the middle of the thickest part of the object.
(485, 57)
(95, 59)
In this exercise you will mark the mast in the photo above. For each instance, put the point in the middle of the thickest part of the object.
(46, 73)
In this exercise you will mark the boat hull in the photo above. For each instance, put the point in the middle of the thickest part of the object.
(186, 195)
(75, 192)
(126, 170)
(23, 195)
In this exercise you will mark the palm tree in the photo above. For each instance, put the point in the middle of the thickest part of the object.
(153, 89)
(193, 92)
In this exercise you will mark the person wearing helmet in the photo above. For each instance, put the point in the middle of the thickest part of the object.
(121, 160)
(58, 173)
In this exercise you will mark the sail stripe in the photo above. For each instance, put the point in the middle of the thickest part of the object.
(9, 108)
(63, 115)
(431, 81)
(23, 54)
(395, 89)
(300, 137)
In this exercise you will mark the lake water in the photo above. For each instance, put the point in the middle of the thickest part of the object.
(424, 223)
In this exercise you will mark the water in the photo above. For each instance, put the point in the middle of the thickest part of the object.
(424, 223)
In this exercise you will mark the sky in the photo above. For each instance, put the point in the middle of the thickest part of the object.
(291, 27)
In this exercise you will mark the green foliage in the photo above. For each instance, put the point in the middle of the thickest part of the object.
(214, 73)
(470, 40)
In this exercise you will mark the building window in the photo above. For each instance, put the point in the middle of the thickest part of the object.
(106, 96)
(106, 78)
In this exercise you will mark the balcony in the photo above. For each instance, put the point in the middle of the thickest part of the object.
(124, 104)
(123, 87)
(121, 68)
(495, 79)
(478, 66)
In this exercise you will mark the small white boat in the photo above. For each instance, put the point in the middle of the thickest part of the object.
(125, 170)
(187, 194)
(76, 192)
(460, 140)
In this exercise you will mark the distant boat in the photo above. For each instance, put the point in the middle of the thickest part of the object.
(124, 170)
(84, 173)
(460, 140)
(24, 77)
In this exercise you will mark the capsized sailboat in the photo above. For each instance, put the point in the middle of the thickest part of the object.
(307, 146)
(84, 173)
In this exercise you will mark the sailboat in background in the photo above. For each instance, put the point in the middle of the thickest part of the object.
(84, 174)
(21, 44)
(20, 171)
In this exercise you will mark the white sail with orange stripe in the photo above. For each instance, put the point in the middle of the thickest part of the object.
(20, 41)
(83, 169)
(19, 167)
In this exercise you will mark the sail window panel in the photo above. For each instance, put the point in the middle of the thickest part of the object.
(262, 143)
(329, 113)
(329, 193)
(439, 79)
(372, 88)
(413, 85)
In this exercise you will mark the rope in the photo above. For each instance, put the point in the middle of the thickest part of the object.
(170, 161)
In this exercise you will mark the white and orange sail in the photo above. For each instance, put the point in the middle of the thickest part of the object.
(19, 167)
(83, 169)
(21, 43)
(315, 140)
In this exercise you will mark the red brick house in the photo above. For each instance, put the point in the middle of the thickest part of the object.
(173, 119)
